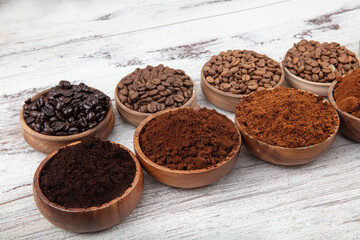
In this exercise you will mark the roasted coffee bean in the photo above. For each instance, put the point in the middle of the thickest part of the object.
(48, 131)
(66, 109)
(230, 70)
(319, 62)
(151, 108)
(154, 89)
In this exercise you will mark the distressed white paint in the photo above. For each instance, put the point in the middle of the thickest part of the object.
(98, 42)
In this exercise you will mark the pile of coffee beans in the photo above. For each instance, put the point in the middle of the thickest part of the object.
(319, 62)
(242, 72)
(66, 109)
(154, 89)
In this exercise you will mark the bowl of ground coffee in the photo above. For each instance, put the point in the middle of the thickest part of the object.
(286, 126)
(152, 89)
(65, 113)
(313, 66)
(227, 77)
(187, 147)
(88, 186)
(344, 95)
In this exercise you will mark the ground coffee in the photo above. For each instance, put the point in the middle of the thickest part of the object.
(347, 93)
(88, 174)
(319, 62)
(188, 139)
(154, 89)
(286, 117)
(66, 109)
(241, 72)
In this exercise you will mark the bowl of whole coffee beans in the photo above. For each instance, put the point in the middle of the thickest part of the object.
(152, 89)
(229, 76)
(313, 66)
(65, 113)
(286, 126)
(88, 186)
(344, 95)
(187, 147)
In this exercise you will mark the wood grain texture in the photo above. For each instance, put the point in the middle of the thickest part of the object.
(42, 42)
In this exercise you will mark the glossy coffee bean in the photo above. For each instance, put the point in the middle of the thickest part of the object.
(66, 109)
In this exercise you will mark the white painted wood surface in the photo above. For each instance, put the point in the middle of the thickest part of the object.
(98, 42)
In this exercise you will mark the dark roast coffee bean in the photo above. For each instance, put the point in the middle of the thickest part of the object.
(149, 89)
(66, 109)
(48, 131)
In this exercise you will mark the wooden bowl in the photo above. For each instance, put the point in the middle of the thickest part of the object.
(135, 117)
(184, 178)
(286, 156)
(303, 84)
(225, 100)
(300, 83)
(47, 144)
(349, 124)
(93, 218)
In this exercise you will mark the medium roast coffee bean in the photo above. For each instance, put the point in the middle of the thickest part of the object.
(66, 109)
(154, 89)
(319, 62)
(241, 72)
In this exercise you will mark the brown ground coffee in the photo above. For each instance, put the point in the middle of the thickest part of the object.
(347, 93)
(88, 174)
(286, 117)
(187, 139)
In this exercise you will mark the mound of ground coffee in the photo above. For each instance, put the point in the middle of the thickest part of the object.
(241, 72)
(66, 109)
(187, 139)
(286, 117)
(154, 89)
(347, 93)
(88, 174)
(319, 62)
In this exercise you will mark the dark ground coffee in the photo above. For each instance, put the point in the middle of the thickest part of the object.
(186, 139)
(88, 174)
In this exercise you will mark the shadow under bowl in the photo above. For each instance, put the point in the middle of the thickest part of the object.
(93, 218)
(184, 178)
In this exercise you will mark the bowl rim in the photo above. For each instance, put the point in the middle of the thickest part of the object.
(140, 114)
(333, 102)
(143, 157)
(296, 148)
(238, 96)
(45, 137)
(308, 81)
(45, 200)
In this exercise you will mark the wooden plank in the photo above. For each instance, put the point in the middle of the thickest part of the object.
(42, 42)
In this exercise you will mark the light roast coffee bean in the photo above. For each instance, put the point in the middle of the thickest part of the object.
(319, 62)
(154, 89)
(242, 72)
(66, 109)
